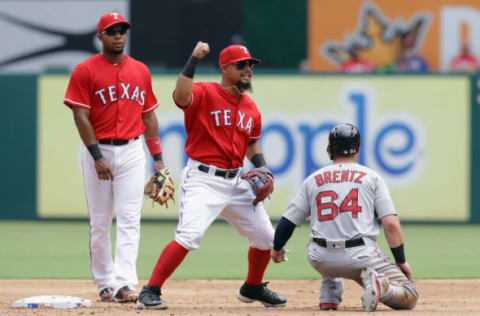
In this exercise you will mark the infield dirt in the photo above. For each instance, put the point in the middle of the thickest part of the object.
(218, 297)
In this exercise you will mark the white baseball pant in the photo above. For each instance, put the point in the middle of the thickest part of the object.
(125, 195)
(205, 196)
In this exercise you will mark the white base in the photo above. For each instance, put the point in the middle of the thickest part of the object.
(52, 301)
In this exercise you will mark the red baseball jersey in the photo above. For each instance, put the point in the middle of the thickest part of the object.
(219, 127)
(116, 94)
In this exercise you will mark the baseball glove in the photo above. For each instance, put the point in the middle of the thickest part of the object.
(261, 180)
(160, 187)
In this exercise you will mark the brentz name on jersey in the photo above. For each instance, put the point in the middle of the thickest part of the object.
(338, 176)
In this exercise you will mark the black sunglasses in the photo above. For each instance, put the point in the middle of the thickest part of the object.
(113, 30)
(242, 63)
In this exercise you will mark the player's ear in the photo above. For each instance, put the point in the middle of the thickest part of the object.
(99, 36)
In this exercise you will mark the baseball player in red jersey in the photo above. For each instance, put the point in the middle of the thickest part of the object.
(223, 125)
(112, 101)
(347, 203)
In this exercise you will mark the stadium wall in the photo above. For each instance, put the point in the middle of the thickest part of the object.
(18, 124)
(416, 128)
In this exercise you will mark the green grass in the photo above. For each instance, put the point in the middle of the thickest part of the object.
(60, 250)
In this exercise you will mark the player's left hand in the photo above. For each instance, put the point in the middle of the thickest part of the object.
(280, 255)
(160, 187)
(261, 180)
(158, 165)
(405, 267)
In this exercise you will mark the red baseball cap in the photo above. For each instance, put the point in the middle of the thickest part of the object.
(110, 19)
(234, 53)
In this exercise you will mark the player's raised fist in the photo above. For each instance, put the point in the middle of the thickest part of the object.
(200, 50)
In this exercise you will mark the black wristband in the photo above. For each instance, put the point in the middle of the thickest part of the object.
(258, 160)
(189, 68)
(157, 157)
(95, 152)
(399, 254)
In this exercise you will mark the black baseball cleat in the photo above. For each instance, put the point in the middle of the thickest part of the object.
(251, 293)
(149, 298)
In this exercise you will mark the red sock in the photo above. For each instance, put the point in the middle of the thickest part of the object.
(257, 264)
(170, 258)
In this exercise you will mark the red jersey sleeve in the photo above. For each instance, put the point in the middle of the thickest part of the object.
(196, 97)
(257, 127)
(78, 91)
(151, 102)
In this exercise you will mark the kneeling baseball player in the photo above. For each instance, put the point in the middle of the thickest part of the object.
(347, 203)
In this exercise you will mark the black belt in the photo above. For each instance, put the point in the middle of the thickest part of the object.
(115, 142)
(348, 243)
(227, 174)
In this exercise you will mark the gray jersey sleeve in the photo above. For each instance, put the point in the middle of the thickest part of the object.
(382, 201)
(299, 208)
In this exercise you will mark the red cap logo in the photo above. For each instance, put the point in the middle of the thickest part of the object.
(234, 53)
(110, 19)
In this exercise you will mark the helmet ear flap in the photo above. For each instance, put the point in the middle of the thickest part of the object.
(329, 151)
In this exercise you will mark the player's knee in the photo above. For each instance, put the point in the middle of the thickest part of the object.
(262, 240)
(406, 299)
(412, 295)
(410, 304)
(99, 228)
(190, 241)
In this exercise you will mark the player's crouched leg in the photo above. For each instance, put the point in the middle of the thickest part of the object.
(397, 295)
(404, 296)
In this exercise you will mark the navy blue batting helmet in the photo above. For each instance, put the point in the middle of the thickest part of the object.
(344, 139)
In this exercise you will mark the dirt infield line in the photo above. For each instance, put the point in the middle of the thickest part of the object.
(218, 297)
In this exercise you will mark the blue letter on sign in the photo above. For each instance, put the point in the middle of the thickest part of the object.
(395, 152)
(309, 135)
(359, 100)
(285, 134)
(179, 129)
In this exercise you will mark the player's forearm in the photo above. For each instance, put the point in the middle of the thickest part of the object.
(283, 233)
(183, 89)
(152, 140)
(392, 230)
(253, 148)
(393, 234)
(84, 127)
(151, 125)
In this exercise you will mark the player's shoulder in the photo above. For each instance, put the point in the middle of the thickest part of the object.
(367, 170)
(91, 61)
(90, 66)
(211, 88)
(368, 175)
(136, 63)
(206, 84)
(248, 99)
(311, 177)
(339, 167)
